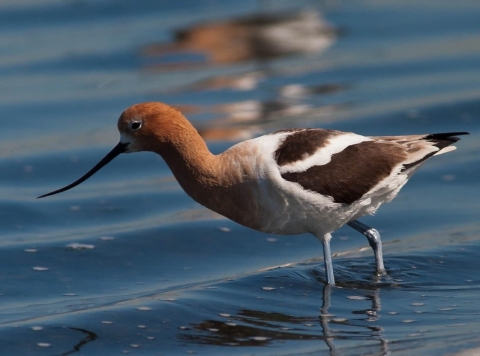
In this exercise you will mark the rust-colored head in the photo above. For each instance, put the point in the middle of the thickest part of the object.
(149, 126)
(144, 127)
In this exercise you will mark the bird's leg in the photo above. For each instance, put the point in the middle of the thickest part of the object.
(374, 240)
(327, 257)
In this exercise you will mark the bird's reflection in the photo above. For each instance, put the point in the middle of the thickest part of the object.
(259, 328)
(246, 119)
(244, 81)
(326, 318)
(258, 37)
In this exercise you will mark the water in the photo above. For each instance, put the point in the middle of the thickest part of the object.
(127, 263)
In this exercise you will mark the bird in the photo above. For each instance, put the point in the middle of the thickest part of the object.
(289, 182)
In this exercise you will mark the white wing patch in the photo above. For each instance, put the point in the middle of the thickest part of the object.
(445, 150)
(324, 154)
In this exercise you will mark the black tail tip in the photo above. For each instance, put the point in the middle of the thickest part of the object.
(445, 135)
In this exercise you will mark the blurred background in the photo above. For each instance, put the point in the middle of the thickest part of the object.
(127, 263)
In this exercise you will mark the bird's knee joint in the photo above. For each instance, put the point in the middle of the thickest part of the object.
(373, 235)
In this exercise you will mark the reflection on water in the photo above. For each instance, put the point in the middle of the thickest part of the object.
(251, 327)
(258, 328)
(291, 304)
(328, 321)
(241, 82)
(168, 277)
(284, 307)
(249, 118)
(261, 331)
(258, 37)
(302, 91)
(246, 119)
(91, 336)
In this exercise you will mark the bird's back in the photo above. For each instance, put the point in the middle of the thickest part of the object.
(315, 179)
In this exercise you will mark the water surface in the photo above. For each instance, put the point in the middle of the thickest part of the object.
(128, 263)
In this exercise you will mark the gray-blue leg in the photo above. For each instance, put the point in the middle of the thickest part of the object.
(374, 240)
(327, 257)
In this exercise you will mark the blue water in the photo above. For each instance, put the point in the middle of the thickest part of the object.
(128, 263)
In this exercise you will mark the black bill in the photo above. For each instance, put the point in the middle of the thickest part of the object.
(120, 148)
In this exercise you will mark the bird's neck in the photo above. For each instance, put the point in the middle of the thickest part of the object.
(224, 183)
(191, 162)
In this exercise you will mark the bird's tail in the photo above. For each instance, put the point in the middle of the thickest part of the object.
(440, 140)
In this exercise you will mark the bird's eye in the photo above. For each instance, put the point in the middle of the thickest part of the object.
(135, 125)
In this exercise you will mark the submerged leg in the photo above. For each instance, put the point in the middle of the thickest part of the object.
(327, 257)
(374, 240)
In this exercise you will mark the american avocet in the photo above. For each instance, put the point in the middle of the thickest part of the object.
(288, 182)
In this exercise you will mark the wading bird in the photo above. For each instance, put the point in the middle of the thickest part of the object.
(288, 182)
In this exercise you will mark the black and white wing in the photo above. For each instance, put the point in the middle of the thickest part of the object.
(346, 166)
